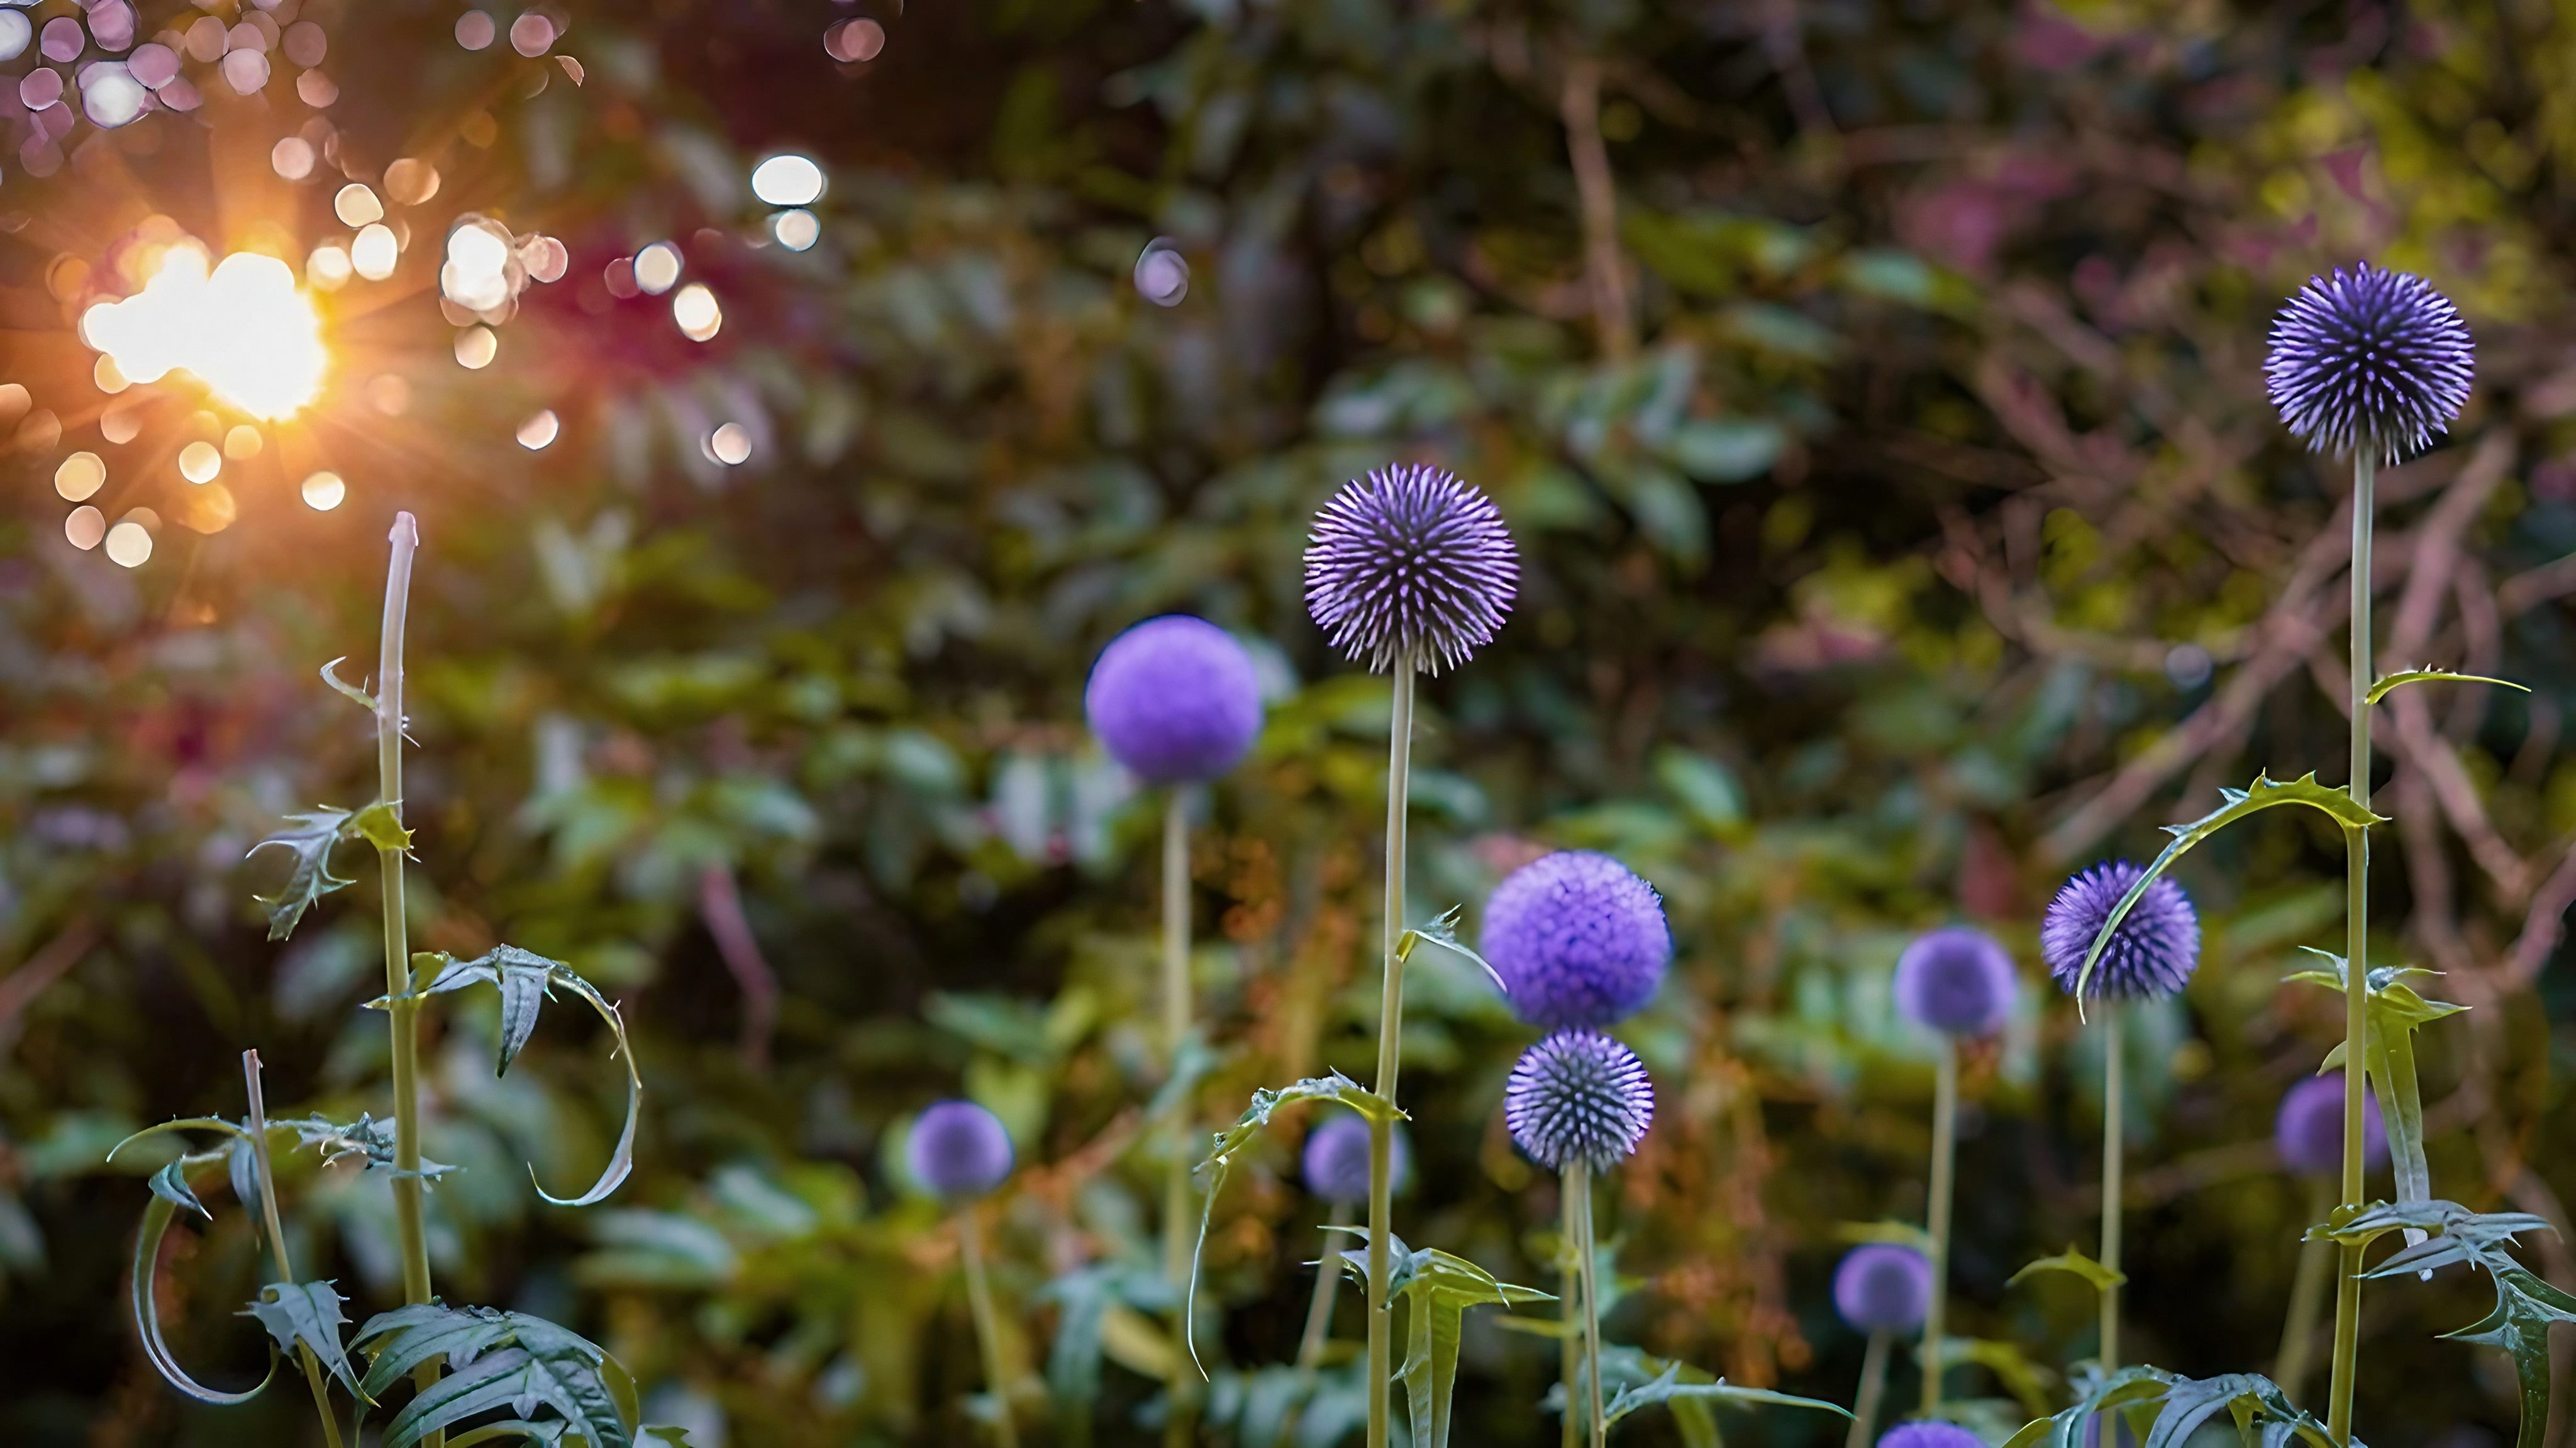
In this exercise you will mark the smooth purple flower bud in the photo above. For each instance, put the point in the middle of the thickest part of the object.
(1578, 939)
(1578, 1096)
(1957, 981)
(1882, 1287)
(1337, 1160)
(1174, 698)
(958, 1149)
(2309, 1130)
(1929, 1434)
(2369, 359)
(2153, 952)
(1410, 563)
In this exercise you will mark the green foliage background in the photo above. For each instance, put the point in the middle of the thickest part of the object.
(1934, 538)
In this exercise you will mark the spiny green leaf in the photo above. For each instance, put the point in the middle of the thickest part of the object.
(170, 1184)
(367, 1138)
(497, 1359)
(1669, 1387)
(364, 699)
(2396, 681)
(2249, 1398)
(306, 1313)
(2074, 1262)
(2525, 1308)
(1439, 1287)
(2391, 1013)
(2129, 1390)
(2262, 795)
(526, 980)
(380, 824)
(1443, 932)
(308, 840)
(147, 1310)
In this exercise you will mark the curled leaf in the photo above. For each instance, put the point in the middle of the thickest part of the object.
(182, 1123)
(364, 699)
(147, 1311)
(2396, 681)
(526, 980)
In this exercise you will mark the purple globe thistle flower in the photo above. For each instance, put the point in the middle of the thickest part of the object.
(1577, 938)
(958, 1149)
(1882, 1287)
(2153, 952)
(1578, 1096)
(2369, 359)
(1337, 1160)
(1410, 563)
(1174, 698)
(1957, 981)
(2309, 1130)
(1929, 1434)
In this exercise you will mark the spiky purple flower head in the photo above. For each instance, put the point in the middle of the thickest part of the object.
(1578, 939)
(1578, 1096)
(2153, 952)
(1882, 1287)
(2309, 1130)
(1337, 1160)
(2369, 358)
(1410, 562)
(958, 1149)
(1957, 981)
(1174, 698)
(1929, 1433)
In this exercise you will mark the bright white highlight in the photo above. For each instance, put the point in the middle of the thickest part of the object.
(789, 180)
(244, 330)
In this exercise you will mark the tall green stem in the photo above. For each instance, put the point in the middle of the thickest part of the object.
(1578, 1185)
(1569, 1308)
(1177, 1214)
(2115, 1148)
(257, 1121)
(988, 1339)
(1945, 1144)
(1390, 1037)
(1319, 1311)
(402, 1005)
(1873, 1386)
(2307, 1295)
(2356, 932)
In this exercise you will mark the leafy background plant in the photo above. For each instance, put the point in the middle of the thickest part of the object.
(1935, 537)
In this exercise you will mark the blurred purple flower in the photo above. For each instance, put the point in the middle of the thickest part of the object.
(1174, 698)
(1337, 1160)
(2153, 952)
(959, 1149)
(1956, 980)
(2369, 358)
(1882, 1287)
(1410, 562)
(1929, 1434)
(1578, 1096)
(1578, 939)
(2309, 1130)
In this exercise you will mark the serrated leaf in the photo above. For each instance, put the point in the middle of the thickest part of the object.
(147, 1310)
(2250, 1399)
(367, 1138)
(1231, 1142)
(308, 840)
(307, 1313)
(2396, 681)
(1668, 1388)
(2524, 1309)
(364, 699)
(497, 1360)
(380, 824)
(2074, 1262)
(2128, 1391)
(1439, 1287)
(2392, 1011)
(526, 980)
(2263, 794)
(1443, 932)
(170, 1184)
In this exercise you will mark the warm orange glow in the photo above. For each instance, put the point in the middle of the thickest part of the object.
(245, 330)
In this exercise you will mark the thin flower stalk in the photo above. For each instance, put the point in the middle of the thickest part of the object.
(1945, 1146)
(1178, 1214)
(2356, 874)
(988, 1335)
(1390, 1038)
(256, 1121)
(1873, 1387)
(2114, 1153)
(1578, 1190)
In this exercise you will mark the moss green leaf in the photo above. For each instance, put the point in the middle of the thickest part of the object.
(2396, 681)
(2075, 1263)
(380, 824)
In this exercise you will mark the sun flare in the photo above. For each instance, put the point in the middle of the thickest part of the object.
(244, 329)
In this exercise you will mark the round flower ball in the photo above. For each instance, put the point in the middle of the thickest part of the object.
(1957, 980)
(1929, 1434)
(1882, 1287)
(2309, 1130)
(2369, 359)
(1578, 1096)
(1578, 939)
(958, 1150)
(1174, 699)
(1410, 563)
(2153, 952)
(1337, 1160)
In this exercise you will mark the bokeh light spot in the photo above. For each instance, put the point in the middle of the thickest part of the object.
(356, 205)
(121, 424)
(324, 490)
(291, 158)
(657, 267)
(15, 31)
(85, 527)
(475, 30)
(199, 462)
(244, 330)
(697, 312)
(730, 444)
(244, 442)
(327, 269)
(787, 180)
(411, 181)
(532, 34)
(129, 543)
(852, 41)
(540, 431)
(81, 475)
(375, 252)
(1162, 274)
(796, 230)
(476, 347)
(245, 71)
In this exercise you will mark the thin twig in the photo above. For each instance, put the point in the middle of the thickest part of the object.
(1579, 103)
(51, 962)
(720, 906)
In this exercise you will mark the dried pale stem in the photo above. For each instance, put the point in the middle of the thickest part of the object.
(257, 1121)
(402, 1005)
(1578, 1185)
(1178, 1216)
(1390, 1036)
(2307, 1297)
(1945, 1140)
(979, 1301)
(1873, 1386)
(2114, 1152)
(2356, 849)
